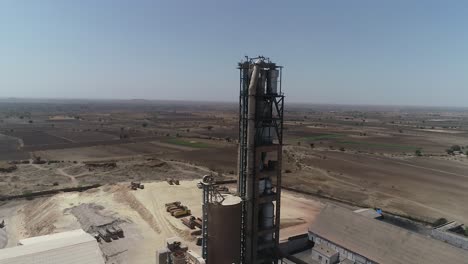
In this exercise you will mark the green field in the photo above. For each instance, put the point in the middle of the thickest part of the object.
(322, 137)
(187, 143)
(339, 138)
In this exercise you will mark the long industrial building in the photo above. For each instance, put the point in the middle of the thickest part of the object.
(72, 247)
(363, 240)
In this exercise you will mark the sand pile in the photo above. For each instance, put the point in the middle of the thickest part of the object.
(41, 214)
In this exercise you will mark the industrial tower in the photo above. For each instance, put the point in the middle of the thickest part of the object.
(260, 154)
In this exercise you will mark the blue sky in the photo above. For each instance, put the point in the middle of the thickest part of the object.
(345, 52)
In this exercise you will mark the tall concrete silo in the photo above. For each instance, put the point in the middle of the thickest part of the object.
(221, 228)
(224, 230)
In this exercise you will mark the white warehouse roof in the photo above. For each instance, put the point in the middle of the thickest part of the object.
(73, 247)
(382, 242)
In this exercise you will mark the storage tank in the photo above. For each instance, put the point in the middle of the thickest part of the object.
(274, 81)
(268, 211)
(224, 228)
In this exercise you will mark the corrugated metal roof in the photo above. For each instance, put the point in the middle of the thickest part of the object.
(382, 242)
(74, 247)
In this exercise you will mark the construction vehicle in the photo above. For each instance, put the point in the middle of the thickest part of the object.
(115, 232)
(173, 203)
(192, 222)
(170, 181)
(104, 235)
(136, 185)
(180, 212)
(188, 222)
(111, 233)
(176, 209)
(172, 208)
(119, 231)
(199, 241)
(197, 221)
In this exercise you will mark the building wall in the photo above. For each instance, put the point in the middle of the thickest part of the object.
(295, 244)
(343, 252)
(322, 259)
(452, 239)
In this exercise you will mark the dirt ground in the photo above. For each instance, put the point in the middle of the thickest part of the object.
(411, 186)
(378, 156)
(141, 214)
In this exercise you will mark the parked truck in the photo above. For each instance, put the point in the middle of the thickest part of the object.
(136, 185)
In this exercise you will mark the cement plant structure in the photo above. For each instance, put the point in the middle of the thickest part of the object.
(246, 230)
(260, 148)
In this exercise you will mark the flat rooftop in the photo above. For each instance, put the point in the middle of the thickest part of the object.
(380, 241)
(73, 247)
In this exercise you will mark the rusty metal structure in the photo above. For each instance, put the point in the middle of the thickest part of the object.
(221, 224)
(261, 107)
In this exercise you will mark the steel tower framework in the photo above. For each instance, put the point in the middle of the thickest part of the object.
(261, 110)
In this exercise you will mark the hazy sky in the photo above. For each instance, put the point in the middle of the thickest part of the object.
(351, 52)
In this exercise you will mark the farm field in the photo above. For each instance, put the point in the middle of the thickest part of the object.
(407, 160)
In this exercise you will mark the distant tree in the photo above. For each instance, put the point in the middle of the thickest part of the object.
(144, 124)
(449, 151)
(418, 152)
(30, 121)
(400, 130)
(298, 143)
(312, 145)
(342, 149)
(188, 129)
(456, 148)
(440, 222)
(21, 117)
(209, 127)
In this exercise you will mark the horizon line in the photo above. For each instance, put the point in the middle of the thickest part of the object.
(225, 101)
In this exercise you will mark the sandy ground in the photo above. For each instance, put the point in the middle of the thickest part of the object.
(297, 211)
(422, 187)
(141, 214)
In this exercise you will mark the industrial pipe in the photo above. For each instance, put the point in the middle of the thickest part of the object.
(251, 129)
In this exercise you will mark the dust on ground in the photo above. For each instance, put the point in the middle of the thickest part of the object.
(141, 214)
